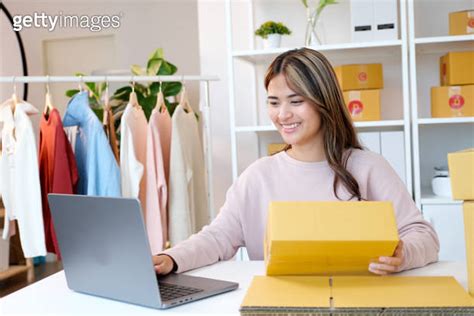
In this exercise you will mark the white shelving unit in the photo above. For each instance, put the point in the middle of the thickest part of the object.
(434, 138)
(250, 128)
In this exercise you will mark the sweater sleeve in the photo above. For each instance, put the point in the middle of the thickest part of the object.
(421, 244)
(219, 240)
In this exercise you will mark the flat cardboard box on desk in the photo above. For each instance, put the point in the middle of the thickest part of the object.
(455, 101)
(461, 173)
(461, 22)
(327, 238)
(457, 68)
(363, 105)
(359, 76)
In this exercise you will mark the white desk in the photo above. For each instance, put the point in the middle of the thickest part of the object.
(52, 296)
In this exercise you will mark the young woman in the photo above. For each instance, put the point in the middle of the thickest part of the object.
(323, 161)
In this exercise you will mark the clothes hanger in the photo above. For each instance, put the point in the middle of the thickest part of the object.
(105, 108)
(81, 81)
(14, 96)
(133, 96)
(160, 100)
(48, 105)
(184, 102)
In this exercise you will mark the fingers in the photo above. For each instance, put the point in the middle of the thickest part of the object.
(382, 269)
(399, 250)
(162, 264)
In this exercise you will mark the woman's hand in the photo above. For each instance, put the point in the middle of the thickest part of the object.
(163, 264)
(387, 265)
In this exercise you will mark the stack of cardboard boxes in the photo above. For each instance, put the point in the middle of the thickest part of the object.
(455, 97)
(461, 171)
(361, 84)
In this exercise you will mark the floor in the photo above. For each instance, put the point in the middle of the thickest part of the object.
(20, 281)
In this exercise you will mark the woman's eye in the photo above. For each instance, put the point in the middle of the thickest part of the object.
(297, 102)
(272, 103)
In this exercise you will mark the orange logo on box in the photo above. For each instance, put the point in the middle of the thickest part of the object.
(362, 76)
(355, 107)
(456, 102)
(470, 22)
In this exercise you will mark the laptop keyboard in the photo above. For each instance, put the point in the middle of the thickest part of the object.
(171, 291)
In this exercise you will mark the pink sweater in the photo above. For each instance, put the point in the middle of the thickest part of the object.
(242, 219)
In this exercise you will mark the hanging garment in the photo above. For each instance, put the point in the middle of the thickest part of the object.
(19, 184)
(58, 170)
(71, 134)
(188, 208)
(99, 173)
(109, 129)
(157, 191)
(133, 134)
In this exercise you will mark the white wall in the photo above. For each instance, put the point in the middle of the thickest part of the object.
(145, 26)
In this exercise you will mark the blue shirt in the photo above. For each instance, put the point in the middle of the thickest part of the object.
(99, 173)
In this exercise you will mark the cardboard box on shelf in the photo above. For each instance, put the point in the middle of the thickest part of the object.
(363, 105)
(454, 101)
(456, 68)
(359, 76)
(461, 172)
(327, 238)
(461, 22)
(468, 208)
(274, 148)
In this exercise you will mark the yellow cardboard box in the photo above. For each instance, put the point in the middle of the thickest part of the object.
(461, 22)
(461, 173)
(359, 76)
(456, 68)
(274, 148)
(468, 208)
(363, 105)
(374, 294)
(455, 101)
(326, 238)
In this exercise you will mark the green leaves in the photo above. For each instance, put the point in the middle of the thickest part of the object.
(323, 4)
(271, 27)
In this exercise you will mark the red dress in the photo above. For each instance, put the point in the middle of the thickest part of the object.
(58, 170)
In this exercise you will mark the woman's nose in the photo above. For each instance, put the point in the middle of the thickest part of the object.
(285, 113)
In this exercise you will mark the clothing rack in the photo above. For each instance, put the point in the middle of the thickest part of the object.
(205, 110)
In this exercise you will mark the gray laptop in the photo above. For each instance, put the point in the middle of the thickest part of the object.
(105, 252)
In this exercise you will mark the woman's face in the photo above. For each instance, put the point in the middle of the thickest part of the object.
(295, 117)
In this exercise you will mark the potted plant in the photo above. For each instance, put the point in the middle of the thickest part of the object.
(271, 33)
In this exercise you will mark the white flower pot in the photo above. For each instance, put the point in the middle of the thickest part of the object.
(273, 41)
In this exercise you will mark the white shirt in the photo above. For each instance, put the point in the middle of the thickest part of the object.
(19, 184)
(133, 135)
(188, 207)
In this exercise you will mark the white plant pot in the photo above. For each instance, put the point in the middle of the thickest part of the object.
(273, 41)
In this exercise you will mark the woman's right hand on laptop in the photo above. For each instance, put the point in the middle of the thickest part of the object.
(163, 264)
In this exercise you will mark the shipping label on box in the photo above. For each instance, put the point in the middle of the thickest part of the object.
(461, 22)
(363, 105)
(461, 173)
(359, 76)
(457, 68)
(455, 101)
(328, 238)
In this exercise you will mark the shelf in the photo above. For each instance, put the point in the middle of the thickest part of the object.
(428, 198)
(446, 120)
(12, 271)
(388, 124)
(334, 51)
(442, 44)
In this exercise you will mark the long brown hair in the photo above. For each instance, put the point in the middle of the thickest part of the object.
(310, 75)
